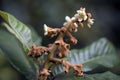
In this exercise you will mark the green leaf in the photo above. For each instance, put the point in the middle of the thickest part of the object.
(99, 76)
(35, 37)
(20, 30)
(11, 48)
(100, 53)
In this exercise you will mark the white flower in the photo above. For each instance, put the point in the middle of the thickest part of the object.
(90, 22)
(45, 29)
(81, 14)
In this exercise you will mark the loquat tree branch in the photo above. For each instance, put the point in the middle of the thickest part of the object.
(60, 47)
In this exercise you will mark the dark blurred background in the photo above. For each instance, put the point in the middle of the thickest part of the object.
(36, 13)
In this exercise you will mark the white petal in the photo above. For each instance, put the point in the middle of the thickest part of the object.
(91, 21)
(76, 15)
(89, 25)
(64, 23)
(80, 19)
(73, 18)
(45, 33)
(75, 24)
(45, 29)
(81, 15)
(85, 17)
(67, 18)
(78, 11)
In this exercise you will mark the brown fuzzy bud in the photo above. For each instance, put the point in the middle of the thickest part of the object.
(66, 65)
(63, 48)
(73, 27)
(37, 51)
(71, 40)
(89, 15)
(80, 24)
(78, 70)
(63, 29)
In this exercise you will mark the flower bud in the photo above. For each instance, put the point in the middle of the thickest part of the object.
(37, 51)
(50, 31)
(63, 48)
(73, 27)
(90, 22)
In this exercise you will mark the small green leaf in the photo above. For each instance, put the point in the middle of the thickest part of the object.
(99, 76)
(20, 30)
(100, 53)
(11, 48)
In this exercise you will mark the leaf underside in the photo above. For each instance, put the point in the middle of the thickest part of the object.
(11, 48)
(98, 76)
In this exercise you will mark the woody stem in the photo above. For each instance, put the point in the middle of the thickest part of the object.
(54, 47)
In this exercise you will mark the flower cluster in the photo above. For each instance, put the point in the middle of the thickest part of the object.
(61, 47)
(79, 19)
(81, 15)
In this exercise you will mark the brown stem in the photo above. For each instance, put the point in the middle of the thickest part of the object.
(69, 34)
(54, 47)
(54, 60)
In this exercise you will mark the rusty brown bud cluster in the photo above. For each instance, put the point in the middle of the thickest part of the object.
(37, 51)
(77, 68)
(61, 47)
